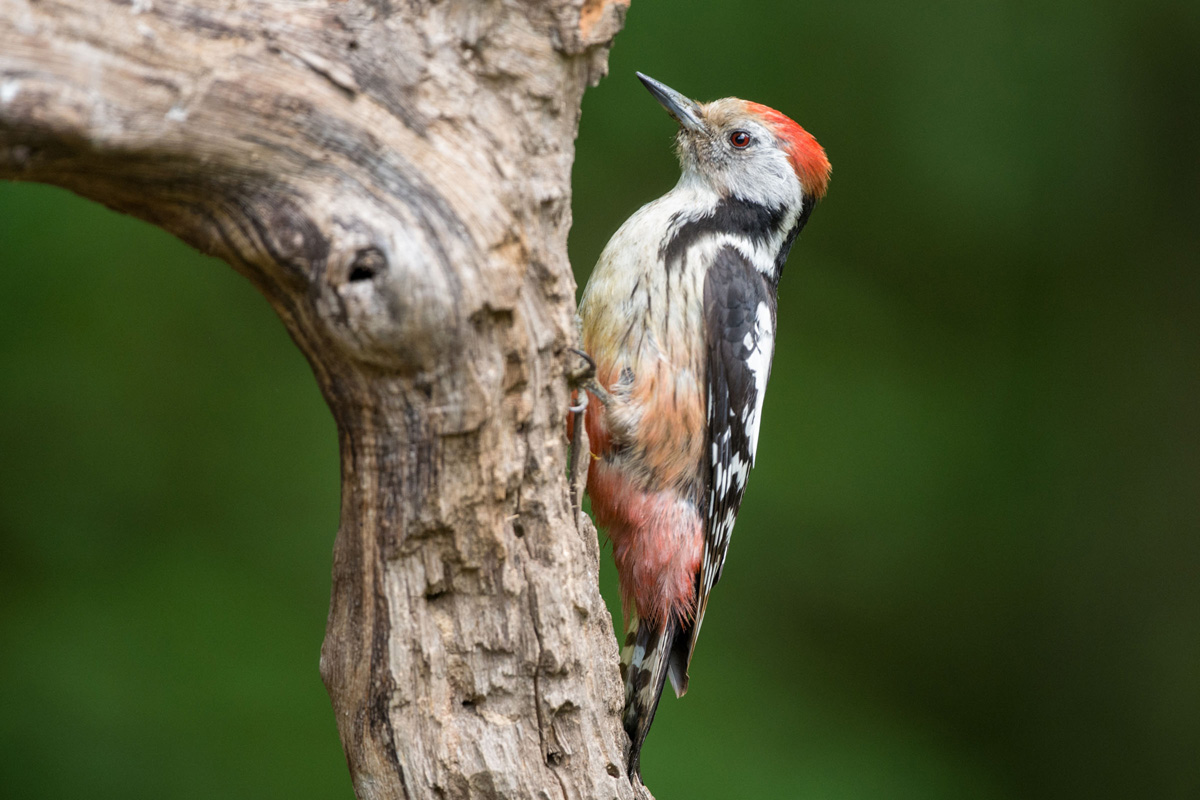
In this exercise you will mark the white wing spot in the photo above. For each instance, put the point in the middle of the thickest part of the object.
(759, 363)
(639, 655)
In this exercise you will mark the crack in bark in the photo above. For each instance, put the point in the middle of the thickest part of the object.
(537, 668)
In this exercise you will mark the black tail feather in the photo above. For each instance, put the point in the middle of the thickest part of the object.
(644, 661)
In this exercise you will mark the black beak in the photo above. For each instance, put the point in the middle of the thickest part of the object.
(684, 110)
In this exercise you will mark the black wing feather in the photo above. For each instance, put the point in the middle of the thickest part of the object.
(739, 310)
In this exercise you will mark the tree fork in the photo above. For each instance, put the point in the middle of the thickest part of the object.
(394, 176)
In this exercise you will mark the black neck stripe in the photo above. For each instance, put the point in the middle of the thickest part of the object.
(790, 239)
(734, 215)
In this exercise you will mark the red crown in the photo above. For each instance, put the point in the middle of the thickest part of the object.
(807, 156)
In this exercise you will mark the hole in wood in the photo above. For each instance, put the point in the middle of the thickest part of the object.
(367, 263)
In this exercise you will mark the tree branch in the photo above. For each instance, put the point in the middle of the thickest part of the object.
(394, 176)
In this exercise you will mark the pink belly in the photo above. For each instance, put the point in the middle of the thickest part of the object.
(658, 541)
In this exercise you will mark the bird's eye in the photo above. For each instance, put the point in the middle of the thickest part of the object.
(739, 139)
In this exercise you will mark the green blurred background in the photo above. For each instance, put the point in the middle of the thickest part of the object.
(969, 561)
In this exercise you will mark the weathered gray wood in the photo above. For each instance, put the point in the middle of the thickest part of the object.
(394, 176)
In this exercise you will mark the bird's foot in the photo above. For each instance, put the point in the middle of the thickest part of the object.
(585, 378)
(583, 381)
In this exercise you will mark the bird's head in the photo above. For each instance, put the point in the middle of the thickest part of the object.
(745, 149)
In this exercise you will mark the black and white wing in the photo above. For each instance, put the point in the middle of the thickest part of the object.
(739, 311)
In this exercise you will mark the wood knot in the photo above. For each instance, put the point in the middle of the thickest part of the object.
(385, 298)
(288, 236)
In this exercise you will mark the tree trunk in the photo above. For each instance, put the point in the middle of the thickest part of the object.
(394, 176)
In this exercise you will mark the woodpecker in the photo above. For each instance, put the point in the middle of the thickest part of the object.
(679, 319)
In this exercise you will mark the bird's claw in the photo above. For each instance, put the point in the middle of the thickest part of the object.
(587, 372)
(585, 378)
(583, 381)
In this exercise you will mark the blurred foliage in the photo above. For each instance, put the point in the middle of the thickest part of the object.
(969, 561)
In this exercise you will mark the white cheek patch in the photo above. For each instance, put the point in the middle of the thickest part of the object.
(767, 178)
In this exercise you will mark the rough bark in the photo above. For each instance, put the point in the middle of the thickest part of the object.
(393, 175)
